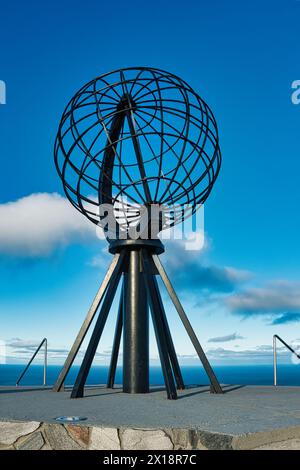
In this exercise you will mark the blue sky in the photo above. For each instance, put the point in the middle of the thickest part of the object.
(242, 58)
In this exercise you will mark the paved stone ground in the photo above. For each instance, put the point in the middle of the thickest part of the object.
(243, 417)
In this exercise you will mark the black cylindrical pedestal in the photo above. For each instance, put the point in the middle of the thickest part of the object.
(136, 329)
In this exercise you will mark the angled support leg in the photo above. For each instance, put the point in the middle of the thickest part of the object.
(169, 341)
(58, 386)
(215, 386)
(116, 344)
(78, 389)
(159, 328)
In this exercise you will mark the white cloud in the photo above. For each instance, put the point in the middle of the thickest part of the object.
(225, 339)
(101, 259)
(36, 225)
(275, 298)
(22, 344)
(190, 271)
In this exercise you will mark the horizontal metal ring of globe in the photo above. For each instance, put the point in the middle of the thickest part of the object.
(133, 138)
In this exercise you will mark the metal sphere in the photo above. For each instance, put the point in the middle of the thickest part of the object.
(137, 137)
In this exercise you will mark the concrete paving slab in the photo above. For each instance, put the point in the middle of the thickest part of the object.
(239, 411)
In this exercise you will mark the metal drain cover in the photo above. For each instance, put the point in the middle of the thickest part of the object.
(72, 419)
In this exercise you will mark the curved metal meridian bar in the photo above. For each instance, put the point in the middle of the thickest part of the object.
(137, 148)
(105, 183)
(135, 139)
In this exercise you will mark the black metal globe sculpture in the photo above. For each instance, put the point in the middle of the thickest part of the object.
(136, 137)
(132, 142)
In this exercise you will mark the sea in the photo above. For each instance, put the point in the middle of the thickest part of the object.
(287, 374)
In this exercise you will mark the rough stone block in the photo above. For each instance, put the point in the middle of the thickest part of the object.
(33, 442)
(145, 439)
(80, 434)
(104, 439)
(213, 441)
(10, 432)
(59, 439)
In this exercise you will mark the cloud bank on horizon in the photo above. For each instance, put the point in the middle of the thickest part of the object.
(18, 349)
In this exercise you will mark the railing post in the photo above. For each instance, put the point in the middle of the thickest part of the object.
(45, 361)
(32, 358)
(275, 360)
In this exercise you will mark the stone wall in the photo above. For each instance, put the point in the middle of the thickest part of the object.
(43, 436)
(34, 435)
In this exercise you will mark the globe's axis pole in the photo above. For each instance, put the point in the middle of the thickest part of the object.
(136, 328)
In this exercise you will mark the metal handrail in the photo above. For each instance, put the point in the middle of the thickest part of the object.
(275, 337)
(45, 362)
